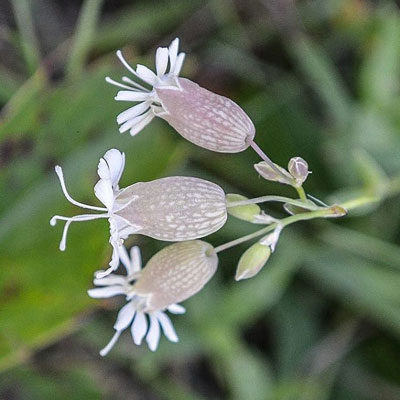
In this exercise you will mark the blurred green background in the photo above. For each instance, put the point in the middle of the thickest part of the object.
(321, 80)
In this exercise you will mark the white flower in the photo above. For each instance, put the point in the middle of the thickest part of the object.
(171, 209)
(144, 323)
(110, 169)
(202, 117)
(135, 118)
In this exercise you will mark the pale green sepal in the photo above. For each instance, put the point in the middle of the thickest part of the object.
(248, 212)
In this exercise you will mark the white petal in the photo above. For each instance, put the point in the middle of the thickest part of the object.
(173, 53)
(153, 337)
(161, 61)
(114, 258)
(111, 279)
(110, 344)
(136, 259)
(137, 128)
(125, 316)
(134, 122)
(167, 327)
(132, 112)
(106, 292)
(129, 95)
(124, 257)
(139, 328)
(116, 164)
(176, 309)
(179, 64)
(147, 75)
(104, 192)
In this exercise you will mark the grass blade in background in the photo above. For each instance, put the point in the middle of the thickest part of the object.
(28, 40)
(84, 35)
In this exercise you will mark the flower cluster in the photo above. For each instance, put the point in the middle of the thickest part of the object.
(179, 209)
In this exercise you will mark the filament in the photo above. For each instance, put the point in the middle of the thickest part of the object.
(60, 175)
(77, 218)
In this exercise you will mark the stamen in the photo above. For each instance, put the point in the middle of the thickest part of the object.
(60, 175)
(130, 69)
(110, 344)
(77, 218)
(115, 83)
(128, 80)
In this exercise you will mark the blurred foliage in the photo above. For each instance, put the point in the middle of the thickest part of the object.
(321, 80)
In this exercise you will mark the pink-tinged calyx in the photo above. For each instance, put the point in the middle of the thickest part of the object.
(175, 208)
(199, 115)
(205, 118)
(176, 273)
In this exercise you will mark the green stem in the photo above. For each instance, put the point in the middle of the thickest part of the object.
(301, 193)
(265, 158)
(281, 199)
(321, 213)
(359, 202)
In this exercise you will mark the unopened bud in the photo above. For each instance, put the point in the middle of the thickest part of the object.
(298, 168)
(248, 212)
(251, 261)
(176, 273)
(271, 174)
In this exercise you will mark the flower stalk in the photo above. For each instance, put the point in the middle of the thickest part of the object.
(333, 211)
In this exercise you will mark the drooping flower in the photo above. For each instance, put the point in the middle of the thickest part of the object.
(170, 209)
(199, 115)
(172, 275)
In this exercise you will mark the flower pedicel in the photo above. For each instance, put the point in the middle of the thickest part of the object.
(174, 274)
(200, 116)
(170, 209)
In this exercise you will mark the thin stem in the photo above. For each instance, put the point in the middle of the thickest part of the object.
(281, 199)
(301, 192)
(332, 211)
(265, 158)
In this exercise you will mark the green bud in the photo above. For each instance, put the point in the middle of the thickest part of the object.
(248, 212)
(252, 260)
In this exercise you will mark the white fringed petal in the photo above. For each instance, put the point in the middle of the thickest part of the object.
(136, 259)
(161, 61)
(128, 95)
(139, 328)
(125, 316)
(133, 112)
(167, 327)
(106, 292)
(176, 309)
(104, 192)
(147, 75)
(153, 336)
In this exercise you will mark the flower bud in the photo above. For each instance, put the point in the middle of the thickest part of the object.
(252, 260)
(270, 174)
(247, 212)
(298, 168)
(176, 273)
(205, 118)
(175, 208)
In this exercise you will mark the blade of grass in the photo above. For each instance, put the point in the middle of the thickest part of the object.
(28, 39)
(83, 37)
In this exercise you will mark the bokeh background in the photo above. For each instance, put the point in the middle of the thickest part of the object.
(320, 79)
